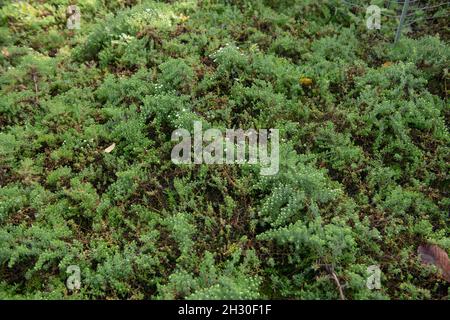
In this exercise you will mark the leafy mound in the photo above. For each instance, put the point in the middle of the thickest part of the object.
(364, 151)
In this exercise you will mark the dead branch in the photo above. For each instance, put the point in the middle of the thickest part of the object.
(330, 270)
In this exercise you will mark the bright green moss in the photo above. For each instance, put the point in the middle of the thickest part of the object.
(363, 176)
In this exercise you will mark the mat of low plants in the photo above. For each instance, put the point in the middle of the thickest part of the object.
(86, 177)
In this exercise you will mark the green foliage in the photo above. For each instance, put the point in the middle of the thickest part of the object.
(86, 118)
(233, 280)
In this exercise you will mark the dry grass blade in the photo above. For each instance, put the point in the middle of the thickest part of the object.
(110, 148)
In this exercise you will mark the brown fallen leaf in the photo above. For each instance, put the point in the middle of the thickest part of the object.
(5, 52)
(433, 254)
(110, 148)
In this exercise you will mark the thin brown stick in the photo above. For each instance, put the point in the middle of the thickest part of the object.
(336, 280)
(341, 292)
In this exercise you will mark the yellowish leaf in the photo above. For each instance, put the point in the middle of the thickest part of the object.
(110, 148)
(306, 81)
(184, 18)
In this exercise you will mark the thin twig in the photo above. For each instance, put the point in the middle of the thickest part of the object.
(36, 89)
(429, 7)
(341, 292)
(402, 20)
(330, 269)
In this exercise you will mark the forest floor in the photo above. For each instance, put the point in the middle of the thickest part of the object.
(92, 207)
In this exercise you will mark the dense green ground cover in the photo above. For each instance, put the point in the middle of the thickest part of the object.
(364, 151)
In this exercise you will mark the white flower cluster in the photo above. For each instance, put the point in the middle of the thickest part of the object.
(123, 39)
(223, 50)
